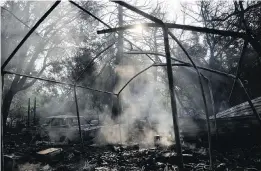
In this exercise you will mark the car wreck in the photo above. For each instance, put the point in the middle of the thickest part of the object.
(161, 86)
(64, 128)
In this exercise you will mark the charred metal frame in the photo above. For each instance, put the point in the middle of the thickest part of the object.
(29, 34)
(78, 115)
(28, 113)
(166, 32)
(178, 26)
(34, 111)
(58, 82)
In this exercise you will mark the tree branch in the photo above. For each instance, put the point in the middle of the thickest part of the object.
(34, 80)
(237, 12)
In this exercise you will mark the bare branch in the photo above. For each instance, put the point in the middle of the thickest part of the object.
(237, 12)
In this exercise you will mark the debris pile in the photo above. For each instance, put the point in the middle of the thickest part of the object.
(48, 156)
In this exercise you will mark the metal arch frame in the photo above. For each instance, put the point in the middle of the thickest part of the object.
(58, 82)
(29, 34)
(171, 82)
(158, 23)
(3, 72)
(177, 26)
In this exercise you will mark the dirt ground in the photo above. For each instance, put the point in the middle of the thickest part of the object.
(228, 154)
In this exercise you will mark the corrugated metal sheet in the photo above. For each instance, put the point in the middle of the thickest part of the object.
(242, 109)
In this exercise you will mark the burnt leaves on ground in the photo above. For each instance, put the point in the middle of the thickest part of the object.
(122, 157)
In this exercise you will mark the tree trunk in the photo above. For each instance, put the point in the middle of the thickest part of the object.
(7, 100)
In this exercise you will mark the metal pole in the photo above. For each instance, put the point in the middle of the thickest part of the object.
(172, 97)
(28, 114)
(2, 126)
(176, 26)
(213, 107)
(120, 36)
(78, 116)
(3, 79)
(203, 97)
(98, 117)
(118, 99)
(212, 104)
(34, 111)
(58, 82)
(249, 101)
(238, 69)
(119, 57)
(28, 34)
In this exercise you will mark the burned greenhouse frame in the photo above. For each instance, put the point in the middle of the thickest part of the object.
(166, 33)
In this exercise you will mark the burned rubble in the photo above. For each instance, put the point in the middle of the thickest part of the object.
(44, 155)
(140, 114)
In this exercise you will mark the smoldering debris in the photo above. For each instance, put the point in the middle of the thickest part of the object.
(133, 157)
(140, 101)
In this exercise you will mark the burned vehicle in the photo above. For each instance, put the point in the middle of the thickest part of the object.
(65, 128)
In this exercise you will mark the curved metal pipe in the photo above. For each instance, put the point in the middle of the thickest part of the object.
(133, 78)
(203, 96)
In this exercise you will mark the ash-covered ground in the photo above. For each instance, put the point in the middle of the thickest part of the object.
(228, 154)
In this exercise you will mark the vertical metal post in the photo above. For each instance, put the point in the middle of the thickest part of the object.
(172, 97)
(35, 111)
(238, 69)
(212, 104)
(203, 96)
(120, 36)
(2, 126)
(118, 99)
(119, 57)
(98, 117)
(28, 114)
(213, 107)
(3, 79)
(29, 34)
(249, 100)
(78, 116)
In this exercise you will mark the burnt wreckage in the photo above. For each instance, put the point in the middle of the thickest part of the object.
(210, 125)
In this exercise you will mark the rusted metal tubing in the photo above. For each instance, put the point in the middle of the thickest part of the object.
(182, 63)
(89, 63)
(178, 26)
(132, 8)
(249, 101)
(179, 64)
(139, 49)
(28, 113)
(212, 104)
(77, 5)
(3, 79)
(118, 99)
(58, 82)
(2, 125)
(153, 53)
(170, 75)
(89, 13)
(213, 108)
(185, 64)
(238, 69)
(172, 97)
(35, 111)
(28, 34)
(203, 96)
(78, 116)
(133, 78)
